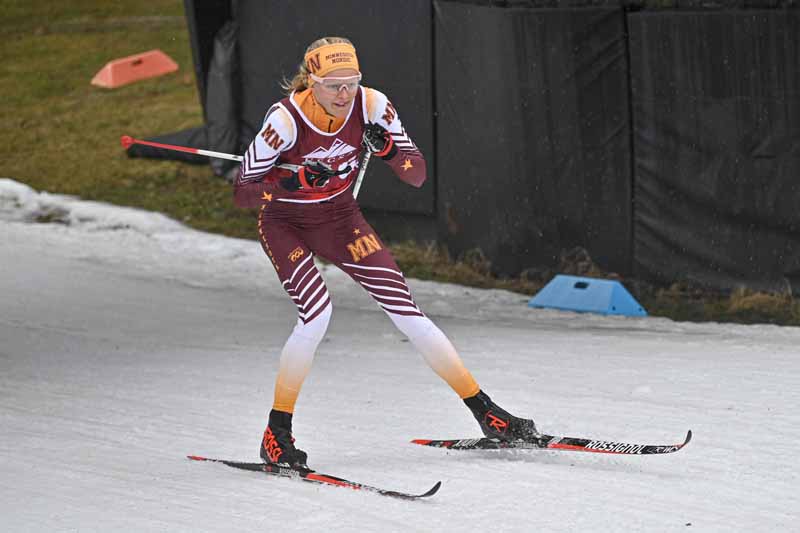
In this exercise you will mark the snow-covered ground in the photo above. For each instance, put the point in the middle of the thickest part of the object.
(128, 341)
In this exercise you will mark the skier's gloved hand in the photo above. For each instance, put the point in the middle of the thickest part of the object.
(311, 176)
(378, 141)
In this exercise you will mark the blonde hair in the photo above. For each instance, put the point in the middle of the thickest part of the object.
(300, 80)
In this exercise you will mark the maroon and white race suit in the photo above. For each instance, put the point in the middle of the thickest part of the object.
(295, 226)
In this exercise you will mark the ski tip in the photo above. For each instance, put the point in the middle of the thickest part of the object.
(197, 458)
(433, 490)
(421, 441)
(688, 438)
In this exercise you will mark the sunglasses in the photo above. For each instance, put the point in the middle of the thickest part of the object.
(333, 85)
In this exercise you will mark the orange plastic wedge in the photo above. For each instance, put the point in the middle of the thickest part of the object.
(133, 68)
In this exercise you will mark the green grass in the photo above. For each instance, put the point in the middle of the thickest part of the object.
(61, 134)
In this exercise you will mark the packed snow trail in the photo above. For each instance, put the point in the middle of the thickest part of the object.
(128, 341)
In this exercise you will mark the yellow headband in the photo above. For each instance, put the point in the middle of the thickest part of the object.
(320, 61)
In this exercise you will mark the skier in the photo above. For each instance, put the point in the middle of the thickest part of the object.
(320, 127)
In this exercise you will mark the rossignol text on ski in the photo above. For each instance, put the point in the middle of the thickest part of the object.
(552, 442)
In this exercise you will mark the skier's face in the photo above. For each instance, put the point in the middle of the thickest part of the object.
(336, 91)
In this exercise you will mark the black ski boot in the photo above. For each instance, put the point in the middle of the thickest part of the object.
(277, 446)
(496, 423)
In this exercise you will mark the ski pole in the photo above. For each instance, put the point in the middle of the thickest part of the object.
(361, 172)
(127, 141)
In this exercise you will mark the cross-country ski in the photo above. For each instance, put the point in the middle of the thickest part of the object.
(551, 442)
(306, 474)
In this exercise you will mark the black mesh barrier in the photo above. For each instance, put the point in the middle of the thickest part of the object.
(717, 147)
(393, 41)
(533, 143)
(204, 19)
(539, 135)
(221, 97)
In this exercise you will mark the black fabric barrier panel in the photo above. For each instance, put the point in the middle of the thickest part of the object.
(204, 19)
(533, 143)
(221, 96)
(393, 41)
(717, 147)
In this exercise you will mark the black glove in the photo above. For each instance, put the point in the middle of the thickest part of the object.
(378, 141)
(311, 176)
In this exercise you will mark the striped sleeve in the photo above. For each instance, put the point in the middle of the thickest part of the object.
(408, 163)
(277, 134)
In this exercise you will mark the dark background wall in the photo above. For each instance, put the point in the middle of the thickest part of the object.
(664, 141)
(717, 146)
(533, 138)
(205, 18)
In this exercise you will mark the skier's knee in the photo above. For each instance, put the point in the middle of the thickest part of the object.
(315, 326)
(414, 327)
